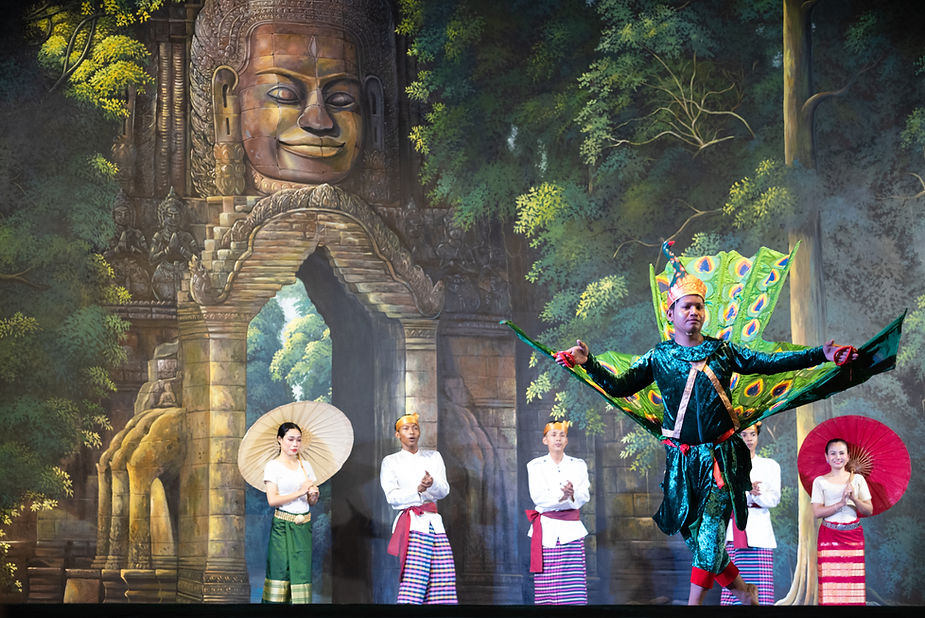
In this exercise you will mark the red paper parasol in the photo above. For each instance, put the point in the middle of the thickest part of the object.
(875, 450)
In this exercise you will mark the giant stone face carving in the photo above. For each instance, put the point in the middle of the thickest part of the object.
(301, 113)
(290, 93)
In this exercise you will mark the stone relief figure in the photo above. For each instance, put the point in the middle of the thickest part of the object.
(172, 246)
(128, 252)
(282, 99)
(466, 260)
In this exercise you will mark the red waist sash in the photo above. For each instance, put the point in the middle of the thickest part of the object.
(739, 538)
(685, 448)
(536, 543)
(398, 544)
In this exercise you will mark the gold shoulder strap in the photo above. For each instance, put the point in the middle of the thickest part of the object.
(697, 367)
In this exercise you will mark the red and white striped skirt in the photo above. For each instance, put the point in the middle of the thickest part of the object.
(841, 564)
(564, 580)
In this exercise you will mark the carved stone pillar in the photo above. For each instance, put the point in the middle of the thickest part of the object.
(112, 557)
(118, 526)
(104, 509)
(161, 450)
(478, 400)
(421, 376)
(213, 349)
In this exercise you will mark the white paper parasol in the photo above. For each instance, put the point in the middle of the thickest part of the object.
(327, 439)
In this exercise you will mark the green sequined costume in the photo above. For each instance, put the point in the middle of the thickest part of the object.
(740, 296)
(692, 503)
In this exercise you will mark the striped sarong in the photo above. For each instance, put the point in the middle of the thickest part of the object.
(429, 576)
(841, 566)
(756, 566)
(289, 563)
(564, 578)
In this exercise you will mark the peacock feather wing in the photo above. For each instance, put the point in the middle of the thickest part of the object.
(645, 407)
(755, 398)
(741, 295)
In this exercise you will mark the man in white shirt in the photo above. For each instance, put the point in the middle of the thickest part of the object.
(413, 479)
(559, 487)
(752, 549)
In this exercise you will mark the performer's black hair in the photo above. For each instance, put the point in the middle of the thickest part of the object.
(285, 427)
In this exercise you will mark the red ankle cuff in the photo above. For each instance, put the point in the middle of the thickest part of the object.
(727, 575)
(702, 578)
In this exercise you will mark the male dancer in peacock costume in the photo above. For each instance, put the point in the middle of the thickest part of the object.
(710, 386)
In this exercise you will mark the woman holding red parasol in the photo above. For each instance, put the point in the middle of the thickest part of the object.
(868, 471)
(839, 497)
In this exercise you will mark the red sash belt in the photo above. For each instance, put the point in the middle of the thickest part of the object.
(536, 543)
(739, 538)
(684, 448)
(398, 544)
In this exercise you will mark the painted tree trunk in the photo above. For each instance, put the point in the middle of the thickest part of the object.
(807, 287)
(807, 323)
(798, 57)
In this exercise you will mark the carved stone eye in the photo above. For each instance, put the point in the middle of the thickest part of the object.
(283, 94)
(340, 99)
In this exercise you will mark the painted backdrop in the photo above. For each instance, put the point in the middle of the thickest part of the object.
(419, 171)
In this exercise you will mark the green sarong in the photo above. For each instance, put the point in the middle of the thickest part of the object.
(289, 563)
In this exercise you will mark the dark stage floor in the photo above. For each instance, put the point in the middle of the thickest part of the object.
(459, 611)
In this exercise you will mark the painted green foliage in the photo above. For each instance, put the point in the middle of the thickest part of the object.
(666, 122)
(58, 340)
(304, 360)
(90, 49)
(498, 80)
(263, 341)
(677, 112)
(623, 106)
(287, 359)
(57, 343)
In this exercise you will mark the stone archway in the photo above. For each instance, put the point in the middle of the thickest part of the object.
(248, 258)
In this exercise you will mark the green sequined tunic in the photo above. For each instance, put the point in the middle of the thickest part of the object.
(689, 483)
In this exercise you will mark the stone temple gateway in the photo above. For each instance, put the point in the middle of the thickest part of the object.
(272, 150)
(274, 87)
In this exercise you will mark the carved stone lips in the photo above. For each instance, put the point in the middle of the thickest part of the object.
(313, 149)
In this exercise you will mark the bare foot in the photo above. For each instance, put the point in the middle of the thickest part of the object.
(748, 595)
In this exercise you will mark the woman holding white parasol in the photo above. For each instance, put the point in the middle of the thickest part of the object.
(287, 453)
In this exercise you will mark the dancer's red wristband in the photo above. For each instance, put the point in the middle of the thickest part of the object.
(846, 352)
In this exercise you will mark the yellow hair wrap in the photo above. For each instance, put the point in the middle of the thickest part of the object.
(406, 419)
(560, 425)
